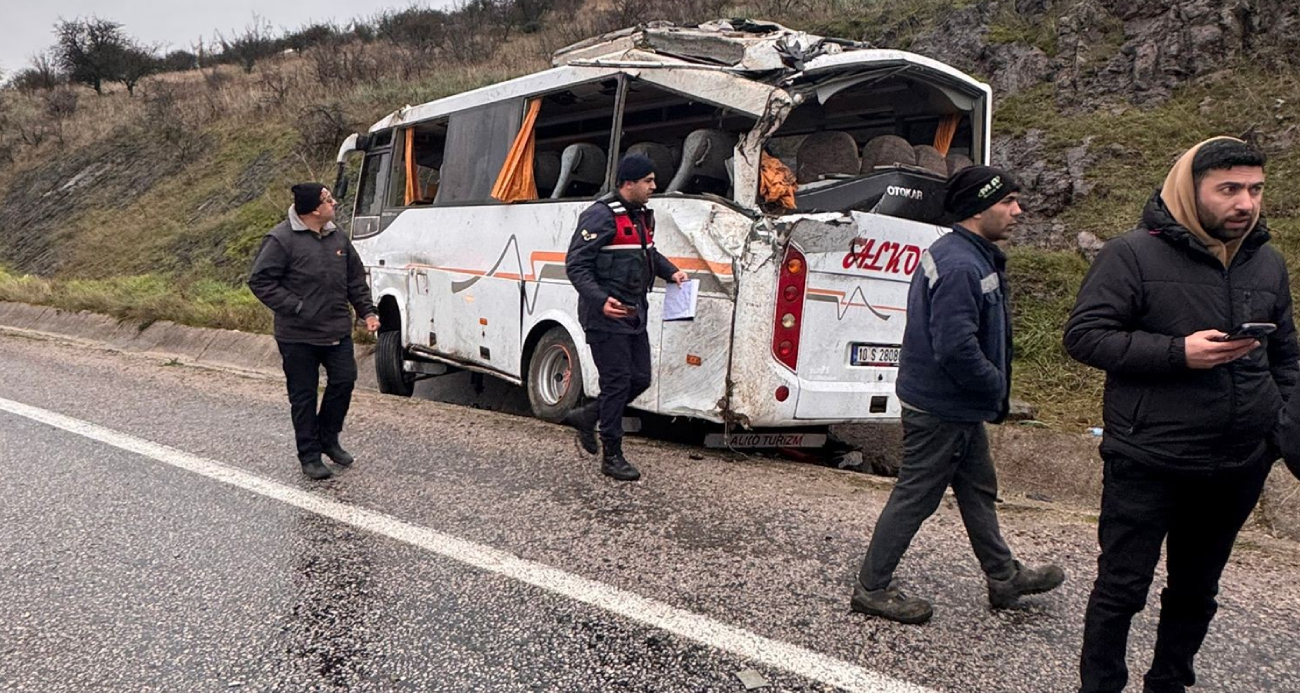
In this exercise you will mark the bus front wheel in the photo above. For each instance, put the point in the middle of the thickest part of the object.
(389, 355)
(554, 376)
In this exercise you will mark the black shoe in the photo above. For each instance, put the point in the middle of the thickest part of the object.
(338, 455)
(890, 603)
(618, 467)
(316, 469)
(1036, 580)
(584, 421)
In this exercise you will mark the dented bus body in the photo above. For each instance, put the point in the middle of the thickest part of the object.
(802, 302)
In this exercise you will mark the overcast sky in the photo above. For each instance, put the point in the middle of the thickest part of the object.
(29, 24)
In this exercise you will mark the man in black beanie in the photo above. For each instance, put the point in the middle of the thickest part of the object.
(612, 262)
(954, 374)
(308, 274)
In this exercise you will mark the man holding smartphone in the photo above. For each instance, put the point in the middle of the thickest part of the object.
(1187, 412)
(612, 262)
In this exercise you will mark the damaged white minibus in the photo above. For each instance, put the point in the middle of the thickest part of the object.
(800, 180)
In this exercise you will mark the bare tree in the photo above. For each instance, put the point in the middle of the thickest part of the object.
(253, 44)
(60, 105)
(40, 75)
(137, 62)
(90, 50)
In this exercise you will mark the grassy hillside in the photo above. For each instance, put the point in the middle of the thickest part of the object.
(151, 207)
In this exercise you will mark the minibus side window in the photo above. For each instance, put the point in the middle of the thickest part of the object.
(573, 130)
(690, 141)
(477, 143)
(418, 153)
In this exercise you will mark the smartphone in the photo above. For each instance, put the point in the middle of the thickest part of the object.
(629, 307)
(1247, 330)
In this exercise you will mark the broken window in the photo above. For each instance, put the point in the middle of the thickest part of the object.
(690, 141)
(573, 131)
(883, 142)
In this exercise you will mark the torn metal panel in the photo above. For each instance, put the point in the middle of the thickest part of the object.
(687, 227)
(749, 148)
(732, 91)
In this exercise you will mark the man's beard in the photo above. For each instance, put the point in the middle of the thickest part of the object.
(1218, 228)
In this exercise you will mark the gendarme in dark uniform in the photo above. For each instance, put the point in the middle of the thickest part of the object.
(612, 262)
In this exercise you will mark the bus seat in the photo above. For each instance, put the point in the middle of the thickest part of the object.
(957, 162)
(583, 165)
(929, 158)
(704, 163)
(546, 171)
(660, 156)
(887, 150)
(827, 152)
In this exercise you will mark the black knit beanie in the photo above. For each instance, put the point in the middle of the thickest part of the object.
(633, 167)
(306, 197)
(976, 188)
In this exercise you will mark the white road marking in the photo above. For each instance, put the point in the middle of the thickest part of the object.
(686, 624)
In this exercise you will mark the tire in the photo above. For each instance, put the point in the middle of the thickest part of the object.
(389, 354)
(554, 376)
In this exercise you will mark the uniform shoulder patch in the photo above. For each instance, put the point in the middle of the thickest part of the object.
(587, 235)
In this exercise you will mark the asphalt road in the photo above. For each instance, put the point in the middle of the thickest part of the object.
(156, 535)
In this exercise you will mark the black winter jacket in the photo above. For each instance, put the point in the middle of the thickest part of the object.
(308, 281)
(1145, 292)
(608, 257)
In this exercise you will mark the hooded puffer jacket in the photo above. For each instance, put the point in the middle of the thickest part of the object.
(1145, 292)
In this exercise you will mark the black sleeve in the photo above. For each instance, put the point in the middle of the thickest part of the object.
(595, 231)
(1283, 351)
(269, 269)
(358, 291)
(1100, 331)
(664, 268)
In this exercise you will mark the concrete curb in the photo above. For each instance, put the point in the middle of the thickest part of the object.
(1035, 464)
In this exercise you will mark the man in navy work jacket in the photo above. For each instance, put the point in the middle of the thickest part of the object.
(308, 274)
(954, 374)
(1187, 415)
(613, 263)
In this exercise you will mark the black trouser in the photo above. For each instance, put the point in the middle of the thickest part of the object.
(302, 364)
(937, 453)
(623, 363)
(1199, 515)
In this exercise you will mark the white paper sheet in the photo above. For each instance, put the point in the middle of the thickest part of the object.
(679, 301)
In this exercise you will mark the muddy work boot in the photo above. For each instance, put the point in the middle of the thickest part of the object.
(583, 420)
(616, 466)
(890, 603)
(315, 469)
(338, 455)
(1036, 580)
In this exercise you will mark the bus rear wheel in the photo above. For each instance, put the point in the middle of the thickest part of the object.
(554, 376)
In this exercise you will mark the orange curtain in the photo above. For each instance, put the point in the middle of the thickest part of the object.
(412, 174)
(776, 182)
(515, 182)
(947, 128)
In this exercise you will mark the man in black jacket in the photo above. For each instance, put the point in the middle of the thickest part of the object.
(612, 262)
(1187, 415)
(308, 273)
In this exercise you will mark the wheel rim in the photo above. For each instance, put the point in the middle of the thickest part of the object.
(553, 374)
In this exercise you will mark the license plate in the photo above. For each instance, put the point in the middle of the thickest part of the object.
(874, 355)
(765, 440)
